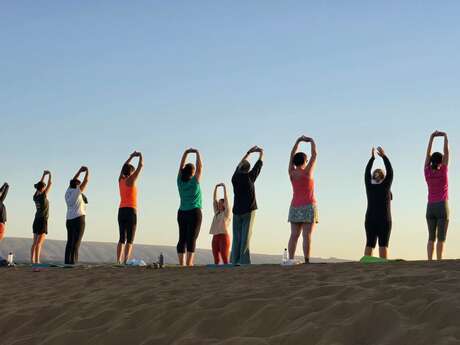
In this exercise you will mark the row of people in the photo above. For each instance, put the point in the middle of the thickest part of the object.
(303, 211)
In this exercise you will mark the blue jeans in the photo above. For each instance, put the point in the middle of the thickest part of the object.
(242, 232)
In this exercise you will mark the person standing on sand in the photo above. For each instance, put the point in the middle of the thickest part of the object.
(127, 212)
(76, 210)
(378, 215)
(437, 213)
(303, 213)
(3, 193)
(219, 227)
(40, 225)
(189, 215)
(244, 206)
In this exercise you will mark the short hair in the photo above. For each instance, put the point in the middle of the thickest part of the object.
(380, 171)
(245, 166)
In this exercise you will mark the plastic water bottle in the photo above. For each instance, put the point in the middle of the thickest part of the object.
(10, 259)
(285, 256)
(161, 260)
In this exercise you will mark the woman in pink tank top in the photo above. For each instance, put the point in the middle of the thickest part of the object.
(437, 212)
(303, 213)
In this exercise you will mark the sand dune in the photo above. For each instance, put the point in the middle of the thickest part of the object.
(99, 252)
(330, 304)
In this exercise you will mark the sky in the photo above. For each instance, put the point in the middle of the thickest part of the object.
(87, 83)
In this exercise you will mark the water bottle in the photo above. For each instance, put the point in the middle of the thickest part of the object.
(10, 259)
(285, 256)
(161, 260)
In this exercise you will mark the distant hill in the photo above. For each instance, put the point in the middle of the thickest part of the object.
(103, 252)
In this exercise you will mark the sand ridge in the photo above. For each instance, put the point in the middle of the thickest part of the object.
(347, 303)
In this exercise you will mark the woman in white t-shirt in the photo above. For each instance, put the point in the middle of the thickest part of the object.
(76, 211)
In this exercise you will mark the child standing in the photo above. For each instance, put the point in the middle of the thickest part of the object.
(219, 227)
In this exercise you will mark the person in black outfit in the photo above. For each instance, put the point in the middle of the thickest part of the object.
(244, 206)
(40, 224)
(378, 215)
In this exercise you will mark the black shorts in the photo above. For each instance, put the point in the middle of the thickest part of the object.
(127, 223)
(40, 226)
(380, 230)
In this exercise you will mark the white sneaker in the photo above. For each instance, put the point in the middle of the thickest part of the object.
(290, 262)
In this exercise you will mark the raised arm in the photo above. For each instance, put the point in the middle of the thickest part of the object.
(43, 176)
(4, 191)
(389, 169)
(49, 183)
(131, 156)
(312, 163)
(227, 209)
(199, 165)
(261, 153)
(445, 158)
(140, 164)
(255, 171)
(227, 206)
(293, 152)
(214, 198)
(183, 160)
(85, 179)
(367, 173)
(224, 188)
(245, 157)
(429, 148)
(225, 195)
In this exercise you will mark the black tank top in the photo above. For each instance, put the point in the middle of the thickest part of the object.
(42, 205)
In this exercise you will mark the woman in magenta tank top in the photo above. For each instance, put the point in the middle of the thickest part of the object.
(303, 213)
(437, 212)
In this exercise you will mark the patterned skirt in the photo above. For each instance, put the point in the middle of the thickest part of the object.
(303, 214)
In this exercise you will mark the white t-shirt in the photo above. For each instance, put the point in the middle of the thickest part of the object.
(76, 207)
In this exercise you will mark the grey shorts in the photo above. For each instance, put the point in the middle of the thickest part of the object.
(437, 218)
(303, 214)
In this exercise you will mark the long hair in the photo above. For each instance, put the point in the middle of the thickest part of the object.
(187, 171)
(127, 170)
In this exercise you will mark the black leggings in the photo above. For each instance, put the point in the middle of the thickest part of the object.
(127, 222)
(189, 228)
(378, 229)
(75, 230)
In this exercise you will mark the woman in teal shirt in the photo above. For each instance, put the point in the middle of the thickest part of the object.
(189, 215)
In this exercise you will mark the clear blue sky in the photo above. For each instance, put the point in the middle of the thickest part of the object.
(89, 82)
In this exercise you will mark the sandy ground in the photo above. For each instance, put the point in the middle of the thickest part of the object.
(402, 303)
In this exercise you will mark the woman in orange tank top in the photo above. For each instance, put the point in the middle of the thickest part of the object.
(303, 214)
(127, 215)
